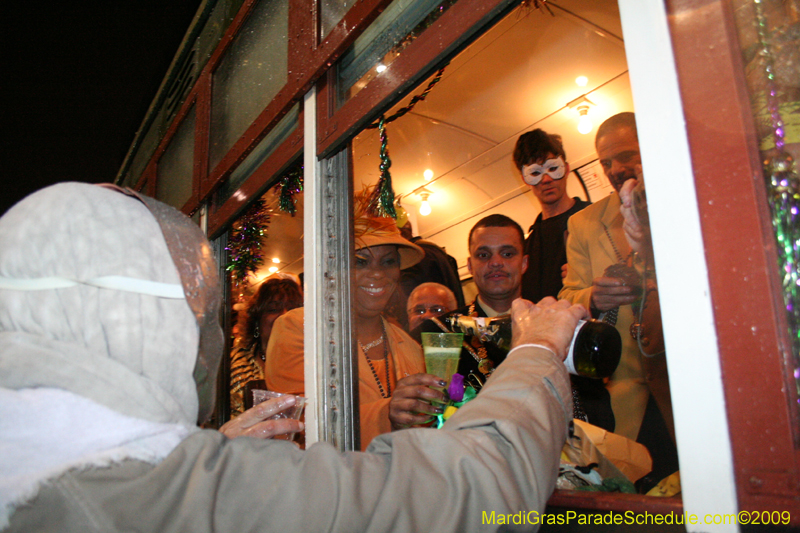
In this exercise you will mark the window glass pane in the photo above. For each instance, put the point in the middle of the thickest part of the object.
(331, 12)
(252, 72)
(276, 279)
(149, 143)
(176, 167)
(458, 143)
(393, 30)
(260, 153)
(769, 33)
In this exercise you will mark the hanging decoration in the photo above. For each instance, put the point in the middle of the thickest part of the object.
(290, 184)
(783, 189)
(537, 4)
(402, 214)
(244, 245)
(381, 203)
(382, 200)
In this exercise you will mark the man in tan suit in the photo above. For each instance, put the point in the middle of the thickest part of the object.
(597, 241)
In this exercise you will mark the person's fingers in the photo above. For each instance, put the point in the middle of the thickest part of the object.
(547, 301)
(562, 304)
(604, 281)
(579, 312)
(410, 412)
(419, 392)
(264, 410)
(272, 428)
(614, 300)
(244, 424)
(424, 380)
(611, 287)
(413, 406)
(520, 305)
(626, 192)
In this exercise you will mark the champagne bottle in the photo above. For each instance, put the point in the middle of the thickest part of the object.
(594, 351)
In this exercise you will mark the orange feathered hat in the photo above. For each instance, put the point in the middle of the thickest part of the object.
(370, 230)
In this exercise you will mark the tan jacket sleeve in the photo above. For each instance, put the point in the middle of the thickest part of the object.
(497, 456)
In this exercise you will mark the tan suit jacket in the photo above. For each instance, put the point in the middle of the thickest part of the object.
(589, 253)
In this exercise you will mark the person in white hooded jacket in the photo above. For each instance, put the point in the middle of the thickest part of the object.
(109, 346)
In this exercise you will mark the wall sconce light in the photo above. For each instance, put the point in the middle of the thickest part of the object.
(424, 207)
(582, 106)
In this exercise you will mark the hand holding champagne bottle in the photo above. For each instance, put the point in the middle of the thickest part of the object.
(594, 350)
(546, 324)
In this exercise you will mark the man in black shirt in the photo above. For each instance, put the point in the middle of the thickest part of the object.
(542, 163)
(541, 160)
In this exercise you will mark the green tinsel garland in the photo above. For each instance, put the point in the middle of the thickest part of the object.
(290, 184)
(382, 201)
(783, 190)
(244, 243)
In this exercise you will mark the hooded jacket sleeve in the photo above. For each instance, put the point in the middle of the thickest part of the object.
(496, 457)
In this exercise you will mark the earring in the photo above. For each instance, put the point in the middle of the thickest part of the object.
(256, 333)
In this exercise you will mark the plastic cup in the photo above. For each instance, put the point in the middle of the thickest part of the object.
(295, 412)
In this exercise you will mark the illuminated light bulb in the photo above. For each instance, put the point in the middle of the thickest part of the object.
(276, 260)
(585, 125)
(584, 122)
(424, 207)
(428, 174)
(272, 270)
(581, 81)
(380, 68)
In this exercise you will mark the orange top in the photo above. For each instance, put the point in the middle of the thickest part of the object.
(283, 370)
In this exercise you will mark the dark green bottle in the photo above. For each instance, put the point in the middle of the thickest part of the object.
(594, 352)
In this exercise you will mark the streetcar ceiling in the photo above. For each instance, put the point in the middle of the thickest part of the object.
(518, 76)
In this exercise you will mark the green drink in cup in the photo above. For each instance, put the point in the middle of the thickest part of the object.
(442, 352)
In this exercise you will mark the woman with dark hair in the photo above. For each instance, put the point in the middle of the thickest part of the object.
(274, 297)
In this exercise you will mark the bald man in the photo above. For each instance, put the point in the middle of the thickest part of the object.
(427, 301)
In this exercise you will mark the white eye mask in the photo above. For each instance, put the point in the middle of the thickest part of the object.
(552, 167)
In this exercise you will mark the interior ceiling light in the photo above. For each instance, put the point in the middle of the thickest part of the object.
(273, 269)
(428, 174)
(424, 207)
(584, 122)
(581, 81)
(276, 260)
(582, 105)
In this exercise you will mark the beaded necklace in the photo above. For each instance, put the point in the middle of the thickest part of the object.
(364, 348)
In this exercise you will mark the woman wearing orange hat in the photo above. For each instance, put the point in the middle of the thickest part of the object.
(386, 353)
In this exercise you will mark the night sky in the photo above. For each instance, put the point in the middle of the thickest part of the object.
(77, 79)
